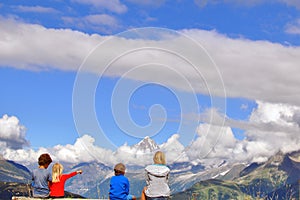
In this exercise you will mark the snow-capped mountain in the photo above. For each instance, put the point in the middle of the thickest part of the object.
(147, 145)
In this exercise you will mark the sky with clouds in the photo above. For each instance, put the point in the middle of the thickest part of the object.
(87, 79)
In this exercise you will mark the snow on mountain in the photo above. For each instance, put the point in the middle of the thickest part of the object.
(147, 145)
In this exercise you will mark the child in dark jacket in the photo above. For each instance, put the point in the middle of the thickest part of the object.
(119, 185)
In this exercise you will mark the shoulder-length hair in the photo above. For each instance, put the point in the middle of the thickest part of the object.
(57, 170)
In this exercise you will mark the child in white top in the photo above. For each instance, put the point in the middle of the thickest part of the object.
(157, 177)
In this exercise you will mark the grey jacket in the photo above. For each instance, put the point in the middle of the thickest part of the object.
(157, 177)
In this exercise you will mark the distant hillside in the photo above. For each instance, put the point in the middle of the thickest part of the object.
(13, 172)
(9, 189)
(213, 189)
(287, 191)
(278, 178)
(278, 172)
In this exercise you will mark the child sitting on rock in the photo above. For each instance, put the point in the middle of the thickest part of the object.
(41, 177)
(57, 186)
(119, 185)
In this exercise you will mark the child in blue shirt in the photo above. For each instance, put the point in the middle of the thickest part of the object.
(119, 185)
(41, 177)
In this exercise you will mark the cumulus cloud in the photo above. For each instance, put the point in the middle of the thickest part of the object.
(285, 138)
(214, 143)
(268, 117)
(12, 133)
(84, 150)
(174, 149)
(271, 128)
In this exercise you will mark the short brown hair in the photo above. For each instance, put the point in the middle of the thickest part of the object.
(119, 169)
(44, 159)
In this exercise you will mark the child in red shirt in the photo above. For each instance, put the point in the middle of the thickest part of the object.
(57, 186)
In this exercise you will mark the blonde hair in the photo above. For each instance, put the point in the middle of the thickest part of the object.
(159, 158)
(57, 170)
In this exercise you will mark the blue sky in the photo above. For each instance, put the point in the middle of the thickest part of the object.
(86, 67)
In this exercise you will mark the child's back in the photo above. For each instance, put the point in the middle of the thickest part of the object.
(119, 185)
(41, 177)
(57, 186)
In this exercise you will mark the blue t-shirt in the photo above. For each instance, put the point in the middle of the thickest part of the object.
(40, 178)
(119, 187)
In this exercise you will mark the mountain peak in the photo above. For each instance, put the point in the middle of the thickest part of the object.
(146, 145)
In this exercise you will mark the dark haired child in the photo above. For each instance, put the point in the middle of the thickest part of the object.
(41, 177)
(119, 185)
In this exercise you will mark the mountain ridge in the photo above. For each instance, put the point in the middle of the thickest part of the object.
(147, 145)
(278, 176)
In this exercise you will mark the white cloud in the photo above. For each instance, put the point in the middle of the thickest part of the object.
(274, 66)
(99, 22)
(293, 27)
(84, 150)
(112, 5)
(37, 9)
(202, 3)
(296, 117)
(102, 19)
(155, 3)
(295, 3)
(12, 133)
(277, 113)
(174, 150)
(213, 144)
(258, 70)
(24, 156)
(262, 70)
(271, 128)
(29, 46)
(285, 135)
